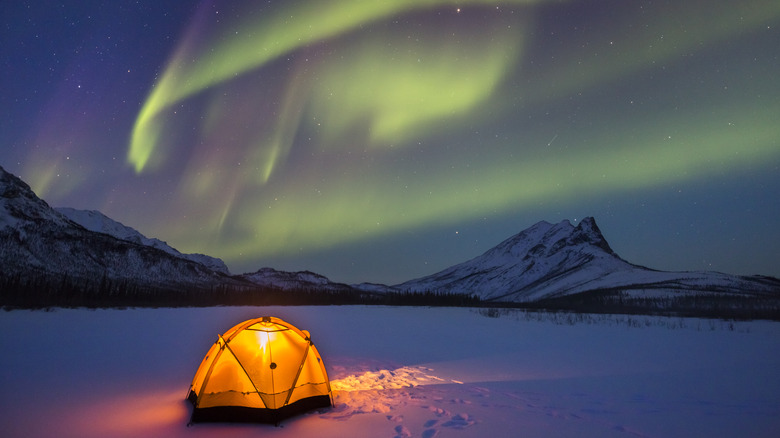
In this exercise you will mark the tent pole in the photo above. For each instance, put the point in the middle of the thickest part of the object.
(298, 374)
(246, 373)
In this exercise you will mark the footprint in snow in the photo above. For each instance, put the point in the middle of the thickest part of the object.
(438, 411)
(430, 423)
(460, 401)
(430, 433)
(460, 421)
(402, 432)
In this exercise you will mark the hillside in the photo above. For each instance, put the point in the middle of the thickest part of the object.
(550, 261)
(40, 242)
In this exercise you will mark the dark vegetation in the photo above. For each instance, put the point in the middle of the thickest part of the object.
(43, 292)
(701, 305)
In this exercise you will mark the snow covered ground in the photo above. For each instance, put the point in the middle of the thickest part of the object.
(402, 372)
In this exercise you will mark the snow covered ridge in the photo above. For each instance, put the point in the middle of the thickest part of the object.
(283, 280)
(549, 261)
(543, 263)
(19, 205)
(39, 241)
(94, 220)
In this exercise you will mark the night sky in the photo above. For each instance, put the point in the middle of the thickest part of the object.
(386, 140)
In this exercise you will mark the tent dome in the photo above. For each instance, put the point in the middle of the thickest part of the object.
(262, 370)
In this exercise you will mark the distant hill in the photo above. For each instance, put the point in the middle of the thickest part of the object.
(283, 280)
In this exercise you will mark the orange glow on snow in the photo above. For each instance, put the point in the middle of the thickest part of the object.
(139, 413)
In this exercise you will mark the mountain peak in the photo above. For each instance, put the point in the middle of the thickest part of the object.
(588, 231)
(19, 204)
(41, 241)
(525, 266)
(550, 261)
(544, 236)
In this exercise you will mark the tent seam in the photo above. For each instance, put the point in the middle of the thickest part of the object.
(246, 373)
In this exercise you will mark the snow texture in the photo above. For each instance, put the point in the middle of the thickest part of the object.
(94, 220)
(402, 372)
(36, 239)
(284, 280)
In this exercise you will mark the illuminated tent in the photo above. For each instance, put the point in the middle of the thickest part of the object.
(262, 370)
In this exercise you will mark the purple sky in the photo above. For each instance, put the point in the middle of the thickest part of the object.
(369, 142)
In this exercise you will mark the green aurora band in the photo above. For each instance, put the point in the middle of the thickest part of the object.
(256, 43)
(370, 104)
(354, 211)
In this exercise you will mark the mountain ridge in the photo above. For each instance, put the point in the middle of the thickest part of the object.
(96, 221)
(285, 280)
(37, 241)
(545, 261)
(553, 260)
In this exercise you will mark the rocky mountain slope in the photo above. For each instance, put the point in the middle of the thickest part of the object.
(546, 261)
(94, 220)
(553, 260)
(284, 280)
(37, 241)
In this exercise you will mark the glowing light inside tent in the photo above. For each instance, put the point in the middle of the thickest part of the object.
(263, 339)
(267, 365)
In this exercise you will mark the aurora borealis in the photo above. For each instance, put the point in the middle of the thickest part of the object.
(385, 140)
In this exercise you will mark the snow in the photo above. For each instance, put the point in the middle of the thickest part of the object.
(6, 220)
(402, 372)
(284, 280)
(96, 221)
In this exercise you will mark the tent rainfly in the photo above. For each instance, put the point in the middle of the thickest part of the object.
(262, 370)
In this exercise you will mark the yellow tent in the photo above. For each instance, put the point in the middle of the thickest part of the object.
(262, 370)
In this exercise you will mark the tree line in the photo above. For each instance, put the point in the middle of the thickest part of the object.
(38, 292)
(42, 291)
(698, 305)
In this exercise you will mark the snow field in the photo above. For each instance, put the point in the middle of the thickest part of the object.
(402, 372)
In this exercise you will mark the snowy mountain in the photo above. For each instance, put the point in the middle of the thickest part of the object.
(94, 220)
(546, 261)
(283, 280)
(36, 241)
(549, 261)
(375, 288)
